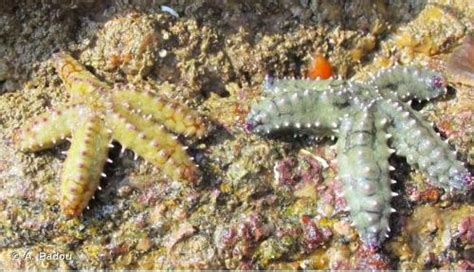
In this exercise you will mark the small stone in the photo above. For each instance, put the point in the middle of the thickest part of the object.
(144, 244)
(124, 190)
(163, 53)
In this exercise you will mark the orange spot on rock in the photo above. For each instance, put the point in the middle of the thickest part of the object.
(320, 68)
(430, 195)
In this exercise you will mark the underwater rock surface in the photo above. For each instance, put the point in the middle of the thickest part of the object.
(272, 203)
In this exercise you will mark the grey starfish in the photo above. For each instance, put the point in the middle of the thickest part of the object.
(367, 117)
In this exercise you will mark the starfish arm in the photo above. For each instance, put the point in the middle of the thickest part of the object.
(410, 83)
(311, 112)
(80, 83)
(153, 143)
(44, 130)
(172, 115)
(364, 171)
(82, 169)
(415, 139)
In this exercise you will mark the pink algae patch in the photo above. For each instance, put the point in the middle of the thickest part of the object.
(461, 62)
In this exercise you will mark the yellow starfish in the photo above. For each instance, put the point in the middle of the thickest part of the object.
(100, 113)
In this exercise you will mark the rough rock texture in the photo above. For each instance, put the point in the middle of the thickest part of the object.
(215, 57)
